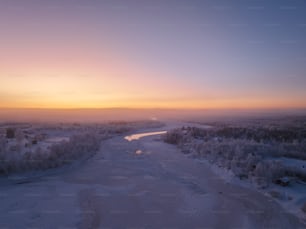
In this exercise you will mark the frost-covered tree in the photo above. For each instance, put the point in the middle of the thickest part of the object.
(10, 133)
(19, 136)
(2, 144)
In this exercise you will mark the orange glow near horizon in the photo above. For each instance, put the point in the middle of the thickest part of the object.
(48, 100)
(80, 92)
(52, 84)
(65, 89)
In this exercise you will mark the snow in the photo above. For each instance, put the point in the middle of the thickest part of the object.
(256, 165)
(291, 162)
(119, 188)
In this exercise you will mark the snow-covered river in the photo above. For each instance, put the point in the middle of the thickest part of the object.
(144, 183)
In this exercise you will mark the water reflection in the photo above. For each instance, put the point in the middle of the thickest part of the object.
(57, 139)
(141, 135)
(138, 152)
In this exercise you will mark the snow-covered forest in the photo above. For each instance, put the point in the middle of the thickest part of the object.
(270, 155)
(264, 154)
(26, 147)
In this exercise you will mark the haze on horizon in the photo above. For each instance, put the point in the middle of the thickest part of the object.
(211, 54)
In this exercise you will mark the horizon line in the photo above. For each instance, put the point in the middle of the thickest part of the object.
(152, 108)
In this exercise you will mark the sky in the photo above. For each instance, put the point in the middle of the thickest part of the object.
(153, 54)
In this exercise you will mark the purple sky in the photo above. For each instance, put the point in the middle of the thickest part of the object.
(212, 53)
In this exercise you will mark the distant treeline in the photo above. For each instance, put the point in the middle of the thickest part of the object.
(259, 134)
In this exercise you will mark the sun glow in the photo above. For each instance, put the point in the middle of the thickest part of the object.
(70, 57)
